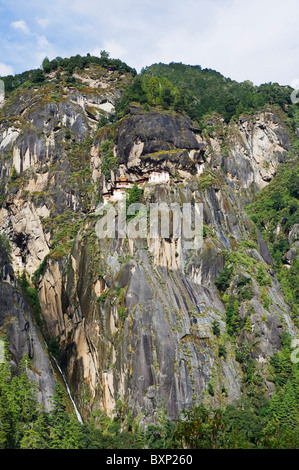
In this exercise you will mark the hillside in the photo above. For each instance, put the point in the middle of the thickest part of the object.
(206, 91)
(162, 344)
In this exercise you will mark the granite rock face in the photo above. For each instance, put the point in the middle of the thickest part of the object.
(141, 331)
(134, 317)
(21, 332)
(153, 132)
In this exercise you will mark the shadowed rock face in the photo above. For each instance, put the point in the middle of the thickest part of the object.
(134, 318)
(16, 322)
(157, 132)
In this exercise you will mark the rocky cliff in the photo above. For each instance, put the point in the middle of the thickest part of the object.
(135, 319)
(21, 332)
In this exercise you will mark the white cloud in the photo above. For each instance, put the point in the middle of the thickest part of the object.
(5, 70)
(21, 25)
(42, 42)
(43, 22)
(256, 40)
(115, 49)
(242, 40)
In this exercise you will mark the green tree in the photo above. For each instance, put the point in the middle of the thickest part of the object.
(38, 435)
(18, 403)
(37, 76)
(200, 428)
(223, 280)
(133, 196)
(65, 430)
(13, 174)
(232, 315)
(58, 418)
(216, 328)
(46, 65)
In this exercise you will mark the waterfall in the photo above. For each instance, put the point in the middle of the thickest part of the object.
(68, 391)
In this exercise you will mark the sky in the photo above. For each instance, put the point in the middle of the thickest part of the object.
(253, 40)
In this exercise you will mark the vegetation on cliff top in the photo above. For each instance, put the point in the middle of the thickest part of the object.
(67, 66)
(184, 88)
(206, 91)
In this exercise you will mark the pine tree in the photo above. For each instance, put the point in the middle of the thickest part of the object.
(38, 435)
(5, 418)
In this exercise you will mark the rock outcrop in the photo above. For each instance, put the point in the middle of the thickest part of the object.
(134, 318)
(23, 337)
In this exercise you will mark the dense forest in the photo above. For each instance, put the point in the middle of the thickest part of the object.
(251, 423)
(199, 92)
